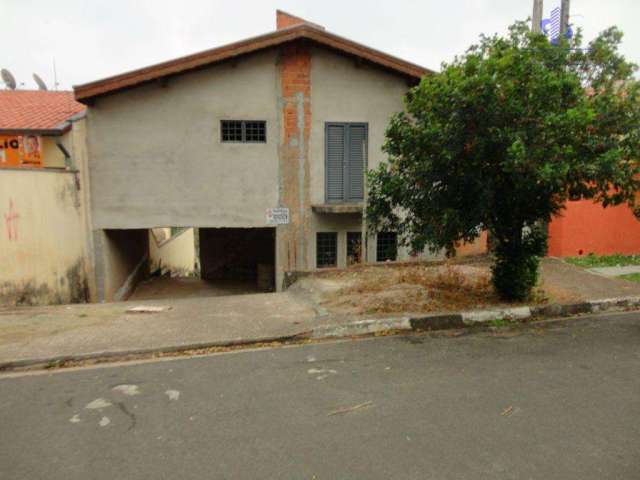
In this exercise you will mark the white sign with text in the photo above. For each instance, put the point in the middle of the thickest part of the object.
(277, 216)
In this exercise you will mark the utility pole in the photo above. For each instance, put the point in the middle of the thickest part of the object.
(536, 18)
(564, 17)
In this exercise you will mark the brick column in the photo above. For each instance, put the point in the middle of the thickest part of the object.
(295, 106)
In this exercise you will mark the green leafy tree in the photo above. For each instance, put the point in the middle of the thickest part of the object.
(501, 139)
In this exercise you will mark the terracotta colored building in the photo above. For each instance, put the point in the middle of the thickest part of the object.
(585, 227)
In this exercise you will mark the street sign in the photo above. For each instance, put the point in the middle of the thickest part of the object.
(277, 216)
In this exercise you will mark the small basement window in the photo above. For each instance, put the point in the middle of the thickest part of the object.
(387, 246)
(326, 249)
(244, 131)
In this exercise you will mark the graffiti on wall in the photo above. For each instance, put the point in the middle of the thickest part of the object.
(11, 221)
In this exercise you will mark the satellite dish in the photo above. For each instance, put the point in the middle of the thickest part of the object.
(40, 82)
(8, 79)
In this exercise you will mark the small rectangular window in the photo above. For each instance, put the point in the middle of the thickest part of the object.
(255, 132)
(354, 248)
(244, 131)
(387, 246)
(326, 249)
(231, 131)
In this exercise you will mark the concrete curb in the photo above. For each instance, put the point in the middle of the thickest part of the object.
(46, 362)
(429, 322)
(474, 318)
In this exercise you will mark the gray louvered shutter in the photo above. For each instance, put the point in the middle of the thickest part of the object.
(335, 138)
(356, 161)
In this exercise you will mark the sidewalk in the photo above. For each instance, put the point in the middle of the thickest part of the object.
(583, 284)
(93, 329)
(44, 334)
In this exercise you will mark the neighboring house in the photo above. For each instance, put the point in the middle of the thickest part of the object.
(44, 233)
(289, 121)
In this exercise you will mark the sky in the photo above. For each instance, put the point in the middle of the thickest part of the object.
(93, 39)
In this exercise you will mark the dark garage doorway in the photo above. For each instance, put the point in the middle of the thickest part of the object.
(238, 256)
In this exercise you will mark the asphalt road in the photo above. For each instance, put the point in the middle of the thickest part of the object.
(561, 402)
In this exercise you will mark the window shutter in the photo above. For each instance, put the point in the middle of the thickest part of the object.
(356, 162)
(335, 162)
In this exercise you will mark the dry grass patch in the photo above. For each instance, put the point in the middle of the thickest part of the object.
(416, 288)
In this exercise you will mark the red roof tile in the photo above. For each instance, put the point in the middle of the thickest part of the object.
(36, 109)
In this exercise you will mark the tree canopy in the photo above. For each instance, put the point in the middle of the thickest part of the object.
(501, 138)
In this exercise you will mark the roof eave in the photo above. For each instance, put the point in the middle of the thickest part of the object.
(86, 92)
(34, 131)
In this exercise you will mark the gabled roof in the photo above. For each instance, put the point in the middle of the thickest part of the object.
(300, 31)
(36, 111)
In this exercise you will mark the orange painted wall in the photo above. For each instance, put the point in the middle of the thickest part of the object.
(478, 247)
(585, 227)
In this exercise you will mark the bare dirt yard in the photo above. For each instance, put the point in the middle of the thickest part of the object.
(418, 287)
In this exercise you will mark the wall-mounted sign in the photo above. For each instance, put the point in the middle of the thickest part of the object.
(20, 151)
(277, 216)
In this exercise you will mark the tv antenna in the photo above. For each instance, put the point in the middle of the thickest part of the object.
(40, 82)
(8, 79)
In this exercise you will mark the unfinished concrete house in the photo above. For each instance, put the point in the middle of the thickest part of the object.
(260, 146)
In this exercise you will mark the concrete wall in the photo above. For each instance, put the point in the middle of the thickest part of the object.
(157, 158)
(175, 255)
(343, 91)
(51, 154)
(346, 91)
(44, 257)
(121, 261)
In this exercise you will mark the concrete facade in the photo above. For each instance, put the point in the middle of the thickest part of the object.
(158, 160)
(348, 91)
(163, 163)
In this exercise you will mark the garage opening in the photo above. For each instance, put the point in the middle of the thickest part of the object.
(206, 262)
(241, 257)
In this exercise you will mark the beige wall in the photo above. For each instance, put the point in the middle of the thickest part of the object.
(43, 250)
(51, 154)
(157, 158)
(176, 255)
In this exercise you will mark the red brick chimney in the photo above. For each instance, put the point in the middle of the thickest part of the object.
(284, 20)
